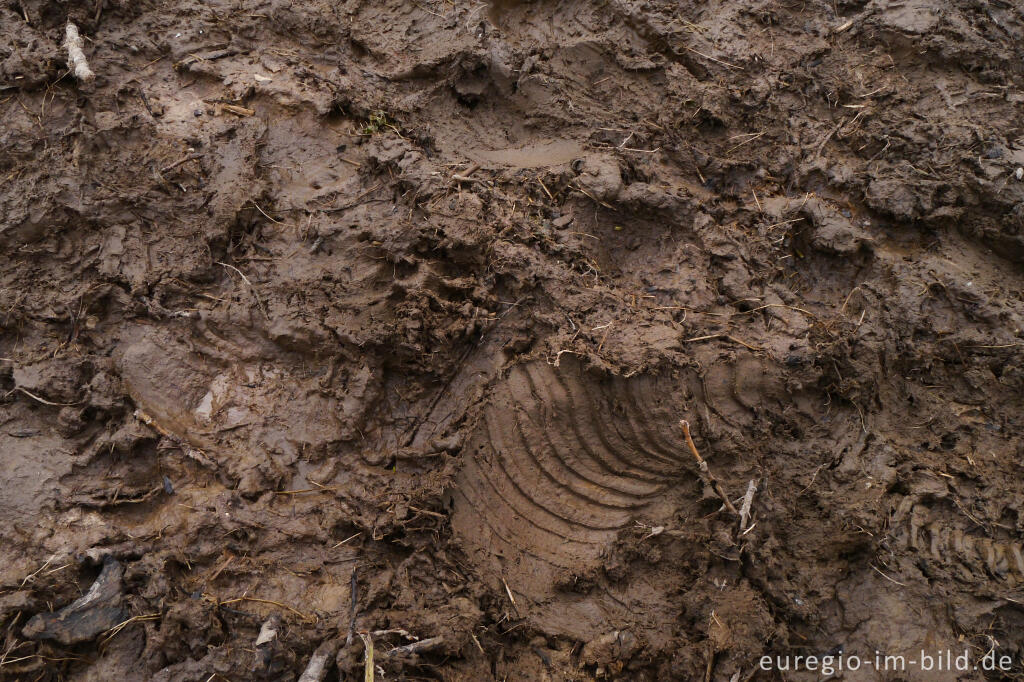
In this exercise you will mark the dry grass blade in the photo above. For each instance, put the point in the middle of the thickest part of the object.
(109, 634)
(368, 660)
(300, 614)
(41, 400)
(265, 215)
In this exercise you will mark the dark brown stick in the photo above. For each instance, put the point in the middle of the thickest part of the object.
(703, 465)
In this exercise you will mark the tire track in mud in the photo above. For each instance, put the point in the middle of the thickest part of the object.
(949, 545)
(561, 461)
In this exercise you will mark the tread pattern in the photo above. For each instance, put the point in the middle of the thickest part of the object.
(950, 545)
(562, 460)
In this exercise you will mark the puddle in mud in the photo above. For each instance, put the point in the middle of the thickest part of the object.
(534, 155)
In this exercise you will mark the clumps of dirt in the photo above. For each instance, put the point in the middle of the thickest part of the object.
(330, 326)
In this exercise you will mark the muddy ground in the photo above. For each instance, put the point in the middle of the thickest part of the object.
(323, 319)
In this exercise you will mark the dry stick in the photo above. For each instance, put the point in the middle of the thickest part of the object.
(748, 500)
(190, 157)
(195, 453)
(76, 58)
(703, 465)
(237, 110)
(416, 647)
(465, 176)
(316, 671)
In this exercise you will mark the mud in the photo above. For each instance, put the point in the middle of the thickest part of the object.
(332, 321)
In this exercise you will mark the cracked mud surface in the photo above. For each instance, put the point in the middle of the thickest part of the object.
(266, 366)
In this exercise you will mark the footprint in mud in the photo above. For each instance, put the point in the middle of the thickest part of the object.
(561, 461)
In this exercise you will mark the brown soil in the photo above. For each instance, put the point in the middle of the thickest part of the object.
(268, 365)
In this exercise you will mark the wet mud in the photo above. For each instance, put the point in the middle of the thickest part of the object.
(330, 324)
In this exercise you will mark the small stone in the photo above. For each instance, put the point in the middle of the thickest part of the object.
(562, 222)
(1019, 173)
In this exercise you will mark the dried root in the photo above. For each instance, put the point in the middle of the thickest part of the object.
(703, 466)
(76, 58)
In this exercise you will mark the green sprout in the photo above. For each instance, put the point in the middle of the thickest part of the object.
(377, 122)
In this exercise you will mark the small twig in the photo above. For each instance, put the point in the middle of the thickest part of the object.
(394, 631)
(703, 465)
(416, 647)
(465, 175)
(145, 102)
(316, 671)
(190, 157)
(748, 500)
(237, 110)
(186, 447)
(850, 23)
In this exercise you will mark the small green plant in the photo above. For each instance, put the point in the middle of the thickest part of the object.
(377, 122)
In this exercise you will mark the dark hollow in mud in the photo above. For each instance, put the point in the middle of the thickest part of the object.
(330, 324)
